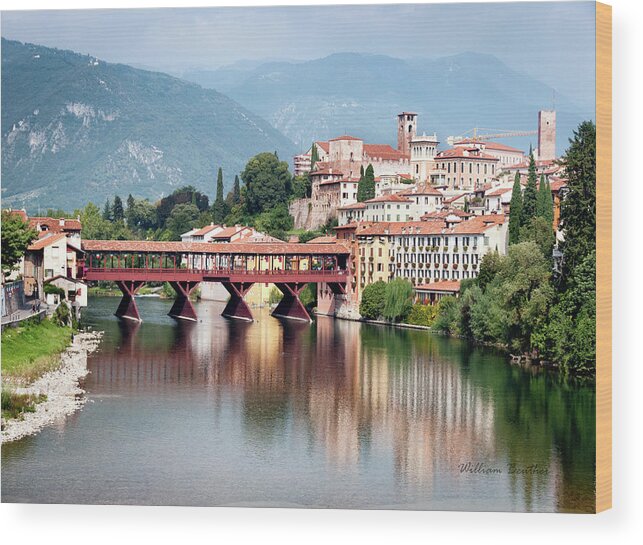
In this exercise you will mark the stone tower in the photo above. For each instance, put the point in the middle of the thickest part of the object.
(546, 135)
(406, 130)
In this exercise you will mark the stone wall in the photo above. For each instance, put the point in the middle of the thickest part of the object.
(309, 214)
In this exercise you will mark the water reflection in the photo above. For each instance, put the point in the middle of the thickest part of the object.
(357, 415)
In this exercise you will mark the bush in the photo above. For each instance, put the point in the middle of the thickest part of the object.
(373, 299)
(421, 315)
(51, 289)
(448, 315)
(62, 315)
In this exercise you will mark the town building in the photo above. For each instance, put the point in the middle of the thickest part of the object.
(464, 168)
(423, 151)
(506, 154)
(546, 135)
(431, 293)
(218, 233)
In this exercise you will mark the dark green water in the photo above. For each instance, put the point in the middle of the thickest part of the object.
(334, 414)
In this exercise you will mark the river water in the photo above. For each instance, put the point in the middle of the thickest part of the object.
(333, 414)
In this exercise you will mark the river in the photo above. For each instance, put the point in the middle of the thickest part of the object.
(334, 414)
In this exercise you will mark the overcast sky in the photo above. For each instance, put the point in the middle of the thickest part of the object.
(553, 42)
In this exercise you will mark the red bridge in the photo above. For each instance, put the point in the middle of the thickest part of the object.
(130, 264)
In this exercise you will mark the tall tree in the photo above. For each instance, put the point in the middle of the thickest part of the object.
(16, 236)
(107, 211)
(314, 156)
(530, 198)
(578, 208)
(267, 182)
(236, 191)
(515, 211)
(117, 209)
(366, 185)
(219, 208)
(545, 208)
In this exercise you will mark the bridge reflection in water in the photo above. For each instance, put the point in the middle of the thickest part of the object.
(359, 392)
(237, 266)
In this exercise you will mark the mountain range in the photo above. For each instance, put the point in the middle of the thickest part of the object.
(361, 94)
(75, 128)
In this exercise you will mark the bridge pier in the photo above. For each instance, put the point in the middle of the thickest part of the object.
(290, 306)
(182, 307)
(127, 308)
(236, 306)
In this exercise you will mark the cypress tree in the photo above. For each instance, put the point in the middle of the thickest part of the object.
(545, 202)
(530, 198)
(117, 209)
(219, 211)
(515, 211)
(236, 191)
(107, 211)
(314, 156)
(366, 186)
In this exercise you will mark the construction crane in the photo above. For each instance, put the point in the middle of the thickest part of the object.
(496, 133)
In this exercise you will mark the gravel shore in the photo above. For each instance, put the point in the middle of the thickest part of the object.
(61, 386)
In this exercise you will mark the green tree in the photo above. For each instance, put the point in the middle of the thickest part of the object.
(267, 182)
(141, 215)
(530, 198)
(301, 187)
(16, 237)
(421, 315)
(448, 315)
(107, 211)
(490, 265)
(540, 231)
(182, 218)
(515, 211)
(399, 300)
(545, 208)
(276, 222)
(371, 306)
(118, 214)
(366, 185)
(219, 208)
(314, 156)
(578, 208)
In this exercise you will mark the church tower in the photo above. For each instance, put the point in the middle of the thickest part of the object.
(406, 131)
(546, 135)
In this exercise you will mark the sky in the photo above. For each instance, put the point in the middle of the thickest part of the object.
(550, 41)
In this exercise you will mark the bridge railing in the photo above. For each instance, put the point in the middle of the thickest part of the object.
(216, 271)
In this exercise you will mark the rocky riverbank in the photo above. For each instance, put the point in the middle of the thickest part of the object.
(61, 386)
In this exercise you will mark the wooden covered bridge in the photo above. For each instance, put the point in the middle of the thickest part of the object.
(132, 263)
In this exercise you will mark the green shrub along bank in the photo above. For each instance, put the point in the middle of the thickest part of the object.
(393, 302)
(521, 301)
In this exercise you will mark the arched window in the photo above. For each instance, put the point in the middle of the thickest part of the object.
(410, 128)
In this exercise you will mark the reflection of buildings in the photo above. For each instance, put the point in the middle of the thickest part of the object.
(357, 392)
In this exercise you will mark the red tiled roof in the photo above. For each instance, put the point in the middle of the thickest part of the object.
(323, 240)
(325, 170)
(451, 286)
(498, 192)
(344, 137)
(53, 224)
(394, 197)
(354, 206)
(488, 145)
(403, 228)
(204, 230)
(442, 214)
(229, 232)
(384, 151)
(459, 153)
(212, 248)
(323, 145)
(46, 241)
(423, 190)
(21, 213)
(478, 224)
(557, 183)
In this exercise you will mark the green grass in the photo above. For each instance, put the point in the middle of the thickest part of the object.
(32, 350)
(15, 405)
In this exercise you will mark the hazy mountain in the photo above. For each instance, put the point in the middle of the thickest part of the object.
(361, 94)
(75, 129)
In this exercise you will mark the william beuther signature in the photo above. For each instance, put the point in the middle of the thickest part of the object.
(480, 468)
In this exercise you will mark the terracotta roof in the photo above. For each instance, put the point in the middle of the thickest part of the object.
(384, 151)
(477, 224)
(325, 170)
(403, 228)
(465, 153)
(21, 213)
(451, 286)
(229, 232)
(53, 224)
(488, 145)
(354, 206)
(394, 197)
(555, 184)
(46, 241)
(498, 192)
(204, 230)
(442, 214)
(323, 240)
(344, 137)
(212, 248)
(323, 145)
(424, 190)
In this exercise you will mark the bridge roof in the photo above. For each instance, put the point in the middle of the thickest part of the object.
(261, 248)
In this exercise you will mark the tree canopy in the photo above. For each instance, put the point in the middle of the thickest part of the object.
(16, 237)
(267, 183)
